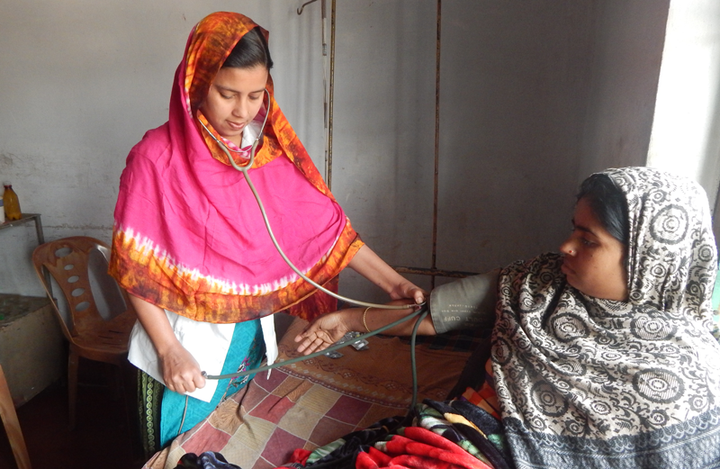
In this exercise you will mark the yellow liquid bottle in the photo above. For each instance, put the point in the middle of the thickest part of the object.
(12, 205)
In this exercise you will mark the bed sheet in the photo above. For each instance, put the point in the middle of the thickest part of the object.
(311, 403)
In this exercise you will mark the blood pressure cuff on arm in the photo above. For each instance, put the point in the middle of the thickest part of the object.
(468, 303)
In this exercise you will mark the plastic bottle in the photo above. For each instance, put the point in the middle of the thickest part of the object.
(12, 205)
(2, 210)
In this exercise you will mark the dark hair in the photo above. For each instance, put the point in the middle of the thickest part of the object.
(608, 203)
(250, 51)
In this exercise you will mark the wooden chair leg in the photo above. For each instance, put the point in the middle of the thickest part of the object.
(72, 385)
(12, 425)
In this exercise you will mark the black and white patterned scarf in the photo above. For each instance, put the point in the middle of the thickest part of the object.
(592, 383)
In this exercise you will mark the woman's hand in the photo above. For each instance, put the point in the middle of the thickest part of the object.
(407, 289)
(324, 331)
(181, 372)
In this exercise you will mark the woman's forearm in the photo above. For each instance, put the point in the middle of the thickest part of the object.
(156, 324)
(371, 266)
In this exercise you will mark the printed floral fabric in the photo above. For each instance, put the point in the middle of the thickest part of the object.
(584, 382)
(188, 234)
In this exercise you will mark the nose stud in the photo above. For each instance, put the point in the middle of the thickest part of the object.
(571, 252)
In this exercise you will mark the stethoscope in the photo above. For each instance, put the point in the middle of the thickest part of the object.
(421, 311)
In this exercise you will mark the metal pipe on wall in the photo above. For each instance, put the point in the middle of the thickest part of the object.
(328, 81)
(438, 47)
(331, 98)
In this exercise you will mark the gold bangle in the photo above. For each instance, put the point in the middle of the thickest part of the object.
(363, 319)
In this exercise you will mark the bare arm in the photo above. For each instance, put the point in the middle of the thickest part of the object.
(467, 303)
(329, 328)
(181, 372)
(372, 267)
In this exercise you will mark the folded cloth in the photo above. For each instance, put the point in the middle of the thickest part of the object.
(474, 425)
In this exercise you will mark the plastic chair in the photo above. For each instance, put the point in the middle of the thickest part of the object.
(99, 315)
(12, 425)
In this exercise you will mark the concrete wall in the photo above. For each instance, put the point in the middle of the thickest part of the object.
(626, 58)
(534, 95)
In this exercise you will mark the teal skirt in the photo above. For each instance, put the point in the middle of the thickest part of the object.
(165, 414)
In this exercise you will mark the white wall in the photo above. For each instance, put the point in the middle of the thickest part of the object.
(685, 137)
(534, 95)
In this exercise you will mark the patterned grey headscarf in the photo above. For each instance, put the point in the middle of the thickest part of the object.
(672, 247)
(585, 382)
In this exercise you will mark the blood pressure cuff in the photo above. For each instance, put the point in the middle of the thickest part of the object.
(465, 304)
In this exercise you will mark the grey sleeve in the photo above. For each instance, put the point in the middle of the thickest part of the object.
(468, 303)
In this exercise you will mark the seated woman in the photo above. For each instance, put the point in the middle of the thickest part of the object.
(602, 355)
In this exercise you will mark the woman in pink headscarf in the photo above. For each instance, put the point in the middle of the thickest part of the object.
(189, 241)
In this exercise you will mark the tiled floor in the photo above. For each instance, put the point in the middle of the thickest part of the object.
(103, 438)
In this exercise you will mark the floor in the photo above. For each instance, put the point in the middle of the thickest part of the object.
(102, 438)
